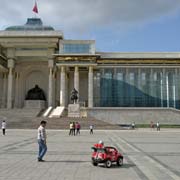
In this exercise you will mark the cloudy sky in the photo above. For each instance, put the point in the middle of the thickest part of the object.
(116, 25)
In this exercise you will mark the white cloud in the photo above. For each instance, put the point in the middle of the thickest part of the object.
(81, 15)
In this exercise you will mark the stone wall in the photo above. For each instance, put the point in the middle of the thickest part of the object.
(137, 115)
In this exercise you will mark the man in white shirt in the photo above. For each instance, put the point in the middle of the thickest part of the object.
(3, 126)
(91, 127)
(158, 126)
(42, 141)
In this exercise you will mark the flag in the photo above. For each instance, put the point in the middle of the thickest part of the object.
(35, 8)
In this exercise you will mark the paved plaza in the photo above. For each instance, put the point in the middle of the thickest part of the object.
(147, 155)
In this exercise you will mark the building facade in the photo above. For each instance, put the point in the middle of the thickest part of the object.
(36, 54)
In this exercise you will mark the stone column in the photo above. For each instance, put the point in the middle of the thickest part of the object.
(50, 88)
(10, 84)
(63, 86)
(16, 102)
(4, 97)
(90, 87)
(50, 95)
(76, 78)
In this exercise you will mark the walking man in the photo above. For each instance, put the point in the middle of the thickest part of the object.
(133, 125)
(91, 129)
(70, 128)
(3, 125)
(158, 126)
(42, 141)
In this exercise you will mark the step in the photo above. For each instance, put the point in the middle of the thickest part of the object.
(57, 112)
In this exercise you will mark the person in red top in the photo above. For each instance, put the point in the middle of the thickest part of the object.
(99, 145)
(78, 127)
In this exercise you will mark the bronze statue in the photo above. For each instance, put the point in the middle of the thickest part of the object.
(74, 95)
(35, 93)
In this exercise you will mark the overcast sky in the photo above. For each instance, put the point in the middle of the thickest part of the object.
(116, 25)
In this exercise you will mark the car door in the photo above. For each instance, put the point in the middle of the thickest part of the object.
(113, 154)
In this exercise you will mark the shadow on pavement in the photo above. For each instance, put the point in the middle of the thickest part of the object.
(68, 161)
(114, 166)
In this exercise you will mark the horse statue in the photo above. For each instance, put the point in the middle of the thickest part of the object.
(74, 96)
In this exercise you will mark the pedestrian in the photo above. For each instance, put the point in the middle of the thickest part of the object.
(70, 128)
(42, 141)
(152, 125)
(133, 125)
(74, 129)
(78, 126)
(3, 126)
(158, 126)
(91, 127)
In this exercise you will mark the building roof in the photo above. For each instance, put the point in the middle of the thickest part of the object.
(32, 24)
(139, 55)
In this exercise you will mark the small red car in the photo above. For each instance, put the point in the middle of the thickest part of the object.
(106, 155)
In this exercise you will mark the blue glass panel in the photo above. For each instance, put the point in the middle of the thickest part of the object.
(117, 89)
(76, 48)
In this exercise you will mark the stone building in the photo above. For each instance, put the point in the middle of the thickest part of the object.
(109, 84)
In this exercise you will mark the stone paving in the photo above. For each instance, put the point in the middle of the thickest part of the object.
(147, 155)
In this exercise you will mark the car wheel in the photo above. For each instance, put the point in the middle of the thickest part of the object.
(120, 161)
(108, 163)
(94, 163)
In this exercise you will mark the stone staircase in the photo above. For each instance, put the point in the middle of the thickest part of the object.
(28, 119)
(18, 115)
(60, 123)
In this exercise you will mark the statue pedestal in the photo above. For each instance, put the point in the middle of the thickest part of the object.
(73, 110)
(39, 104)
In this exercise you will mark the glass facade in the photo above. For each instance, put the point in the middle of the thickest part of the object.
(76, 48)
(137, 87)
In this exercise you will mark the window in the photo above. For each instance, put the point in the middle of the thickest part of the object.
(143, 76)
(155, 77)
(76, 48)
(131, 76)
(120, 76)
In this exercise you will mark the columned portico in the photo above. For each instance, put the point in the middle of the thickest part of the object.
(63, 86)
(90, 87)
(10, 84)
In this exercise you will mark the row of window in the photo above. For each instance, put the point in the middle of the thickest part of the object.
(76, 48)
(136, 89)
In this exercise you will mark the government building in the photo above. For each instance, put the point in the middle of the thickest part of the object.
(116, 87)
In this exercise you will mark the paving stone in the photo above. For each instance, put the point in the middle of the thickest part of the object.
(146, 155)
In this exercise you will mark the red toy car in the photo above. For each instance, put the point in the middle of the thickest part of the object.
(106, 155)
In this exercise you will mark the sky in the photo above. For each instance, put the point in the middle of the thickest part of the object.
(116, 25)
